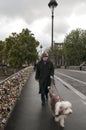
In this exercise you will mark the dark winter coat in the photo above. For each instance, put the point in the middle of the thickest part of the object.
(43, 73)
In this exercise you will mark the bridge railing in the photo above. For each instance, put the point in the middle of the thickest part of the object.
(10, 90)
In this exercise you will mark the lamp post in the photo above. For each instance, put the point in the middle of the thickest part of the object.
(41, 48)
(52, 4)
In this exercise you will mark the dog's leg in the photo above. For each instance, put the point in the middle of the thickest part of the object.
(62, 121)
(57, 119)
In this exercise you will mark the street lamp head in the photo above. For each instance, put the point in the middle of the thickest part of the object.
(52, 4)
(41, 46)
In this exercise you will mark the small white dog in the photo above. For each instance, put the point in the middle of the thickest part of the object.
(60, 109)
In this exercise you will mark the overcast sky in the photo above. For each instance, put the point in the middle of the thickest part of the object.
(36, 16)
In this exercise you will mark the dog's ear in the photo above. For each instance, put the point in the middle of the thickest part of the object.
(61, 110)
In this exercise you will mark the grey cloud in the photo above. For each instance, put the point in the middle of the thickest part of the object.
(35, 9)
(66, 7)
(61, 26)
(80, 10)
(31, 10)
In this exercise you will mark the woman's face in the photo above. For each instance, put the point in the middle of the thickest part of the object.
(45, 58)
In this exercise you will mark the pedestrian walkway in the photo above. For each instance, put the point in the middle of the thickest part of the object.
(28, 113)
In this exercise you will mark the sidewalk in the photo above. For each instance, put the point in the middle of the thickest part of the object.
(28, 113)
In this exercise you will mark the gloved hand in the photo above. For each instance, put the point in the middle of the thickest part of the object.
(51, 77)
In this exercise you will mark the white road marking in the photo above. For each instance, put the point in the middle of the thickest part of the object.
(82, 96)
(73, 78)
(84, 102)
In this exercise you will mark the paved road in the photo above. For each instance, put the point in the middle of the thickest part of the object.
(75, 78)
(28, 113)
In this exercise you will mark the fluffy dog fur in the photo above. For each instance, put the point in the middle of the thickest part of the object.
(60, 109)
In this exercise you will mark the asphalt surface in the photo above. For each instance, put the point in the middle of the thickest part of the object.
(75, 78)
(29, 114)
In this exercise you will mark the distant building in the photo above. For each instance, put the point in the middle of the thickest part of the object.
(60, 45)
(60, 58)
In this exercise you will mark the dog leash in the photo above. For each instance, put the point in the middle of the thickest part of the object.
(53, 85)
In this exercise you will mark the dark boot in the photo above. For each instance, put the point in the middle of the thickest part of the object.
(46, 95)
(43, 99)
